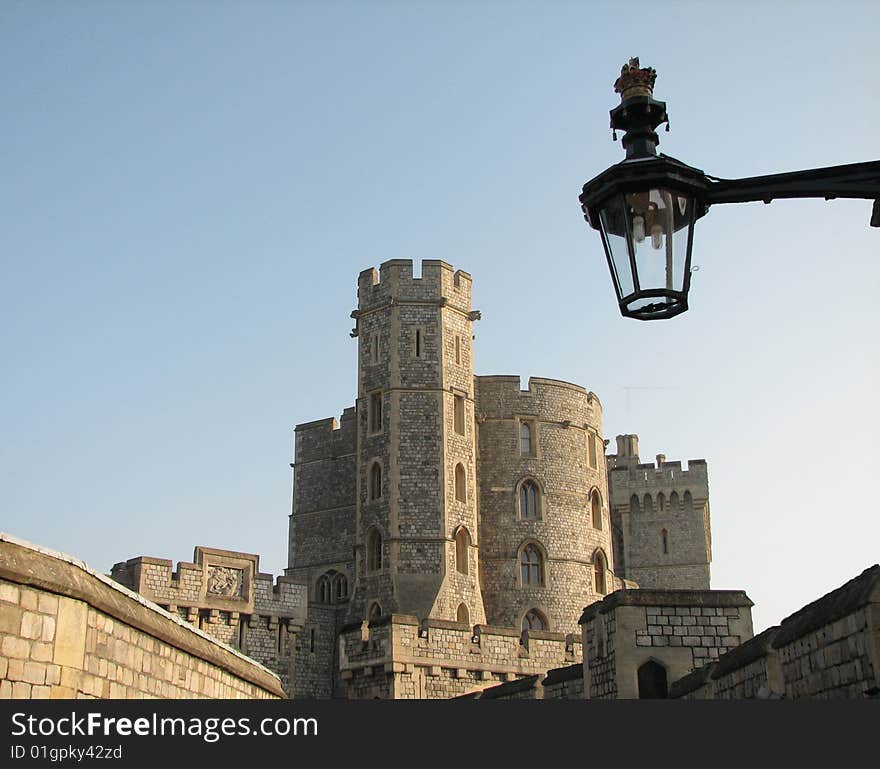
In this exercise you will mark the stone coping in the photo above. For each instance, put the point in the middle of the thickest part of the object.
(746, 653)
(648, 597)
(546, 635)
(568, 673)
(446, 624)
(28, 564)
(837, 604)
(691, 682)
(508, 688)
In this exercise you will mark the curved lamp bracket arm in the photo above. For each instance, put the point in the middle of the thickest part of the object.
(858, 180)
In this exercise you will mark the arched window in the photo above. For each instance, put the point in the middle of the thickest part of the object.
(688, 501)
(652, 681)
(374, 550)
(532, 566)
(649, 503)
(664, 538)
(462, 548)
(673, 500)
(634, 504)
(463, 615)
(322, 592)
(528, 500)
(600, 565)
(374, 612)
(376, 481)
(460, 483)
(596, 507)
(534, 620)
(525, 439)
(340, 587)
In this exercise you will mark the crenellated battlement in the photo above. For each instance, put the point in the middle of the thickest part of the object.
(394, 283)
(215, 581)
(327, 438)
(500, 397)
(399, 657)
(660, 475)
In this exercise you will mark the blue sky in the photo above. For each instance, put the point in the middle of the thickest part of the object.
(190, 189)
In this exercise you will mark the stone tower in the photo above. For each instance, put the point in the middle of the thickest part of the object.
(321, 544)
(660, 514)
(416, 535)
(545, 530)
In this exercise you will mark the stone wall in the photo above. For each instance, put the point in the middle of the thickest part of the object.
(830, 649)
(223, 593)
(397, 657)
(324, 497)
(562, 419)
(676, 630)
(660, 515)
(68, 632)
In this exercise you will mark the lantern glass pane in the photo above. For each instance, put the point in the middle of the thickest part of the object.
(659, 221)
(614, 235)
(683, 207)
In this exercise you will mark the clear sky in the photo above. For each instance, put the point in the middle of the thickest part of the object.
(189, 190)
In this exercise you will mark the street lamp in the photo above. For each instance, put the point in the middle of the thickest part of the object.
(646, 206)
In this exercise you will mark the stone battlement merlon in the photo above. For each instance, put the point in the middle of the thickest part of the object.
(394, 281)
(326, 438)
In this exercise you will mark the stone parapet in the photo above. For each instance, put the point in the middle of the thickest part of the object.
(398, 657)
(69, 632)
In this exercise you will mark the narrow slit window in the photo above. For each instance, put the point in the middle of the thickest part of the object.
(376, 412)
(376, 481)
(460, 483)
(458, 414)
(418, 343)
(458, 351)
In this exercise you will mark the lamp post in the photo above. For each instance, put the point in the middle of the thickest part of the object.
(646, 207)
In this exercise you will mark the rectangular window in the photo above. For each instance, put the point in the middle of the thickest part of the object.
(592, 441)
(376, 412)
(458, 414)
(418, 343)
(457, 350)
(374, 348)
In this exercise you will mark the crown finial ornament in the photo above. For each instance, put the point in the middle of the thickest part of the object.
(635, 80)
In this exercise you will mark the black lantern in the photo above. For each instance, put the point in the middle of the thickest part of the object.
(646, 206)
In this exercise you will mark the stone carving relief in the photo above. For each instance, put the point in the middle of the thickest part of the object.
(224, 581)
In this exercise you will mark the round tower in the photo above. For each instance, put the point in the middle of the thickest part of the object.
(545, 539)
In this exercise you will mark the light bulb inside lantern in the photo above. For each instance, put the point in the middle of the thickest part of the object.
(638, 229)
(657, 236)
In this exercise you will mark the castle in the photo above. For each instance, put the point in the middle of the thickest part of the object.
(452, 536)
(463, 501)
